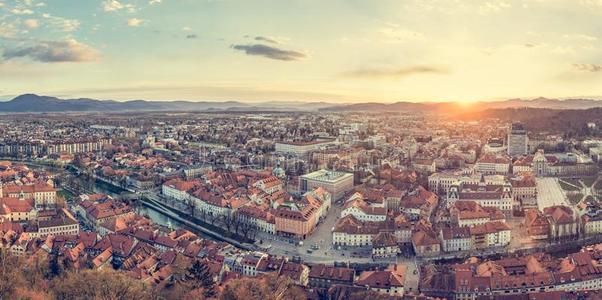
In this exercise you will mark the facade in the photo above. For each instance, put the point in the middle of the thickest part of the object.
(17, 209)
(455, 239)
(349, 231)
(257, 218)
(43, 194)
(301, 149)
(518, 141)
(558, 164)
(524, 191)
(564, 224)
(296, 223)
(62, 224)
(362, 211)
(322, 276)
(390, 281)
(538, 226)
(492, 234)
(336, 183)
(384, 245)
(493, 164)
(591, 223)
(486, 195)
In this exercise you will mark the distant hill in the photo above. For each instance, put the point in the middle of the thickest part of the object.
(36, 103)
(446, 107)
(569, 121)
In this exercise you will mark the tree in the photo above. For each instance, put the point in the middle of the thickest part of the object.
(55, 268)
(268, 287)
(199, 277)
(10, 278)
(99, 284)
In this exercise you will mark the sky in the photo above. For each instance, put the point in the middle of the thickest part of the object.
(302, 50)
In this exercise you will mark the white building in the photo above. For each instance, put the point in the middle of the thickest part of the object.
(301, 148)
(336, 183)
(518, 140)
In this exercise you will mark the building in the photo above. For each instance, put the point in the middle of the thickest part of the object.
(17, 209)
(556, 164)
(43, 194)
(425, 242)
(63, 223)
(518, 140)
(564, 224)
(349, 231)
(538, 226)
(297, 223)
(391, 281)
(524, 191)
(301, 149)
(591, 222)
(491, 234)
(455, 239)
(257, 218)
(358, 208)
(470, 213)
(336, 183)
(384, 245)
(493, 164)
(322, 276)
(486, 195)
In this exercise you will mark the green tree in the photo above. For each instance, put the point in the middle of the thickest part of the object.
(199, 277)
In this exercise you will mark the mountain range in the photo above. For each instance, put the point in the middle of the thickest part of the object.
(36, 103)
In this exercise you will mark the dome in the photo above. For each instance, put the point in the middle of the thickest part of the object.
(279, 172)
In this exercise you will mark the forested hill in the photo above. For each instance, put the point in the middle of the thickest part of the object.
(571, 121)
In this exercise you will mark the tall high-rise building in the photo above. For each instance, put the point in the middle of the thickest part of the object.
(518, 140)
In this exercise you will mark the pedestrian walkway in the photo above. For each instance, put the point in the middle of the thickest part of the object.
(549, 193)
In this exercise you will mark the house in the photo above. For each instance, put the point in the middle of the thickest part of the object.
(322, 276)
(490, 234)
(390, 281)
(357, 207)
(455, 239)
(425, 243)
(384, 245)
(538, 225)
(564, 224)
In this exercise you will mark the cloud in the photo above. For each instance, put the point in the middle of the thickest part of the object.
(582, 37)
(191, 36)
(66, 25)
(270, 52)
(135, 22)
(588, 67)
(21, 11)
(267, 39)
(114, 5)
(395, 73)
(8, 29)
(493, 7)
(31, 23)
(392, 33)
(68, 50)
(595, 3)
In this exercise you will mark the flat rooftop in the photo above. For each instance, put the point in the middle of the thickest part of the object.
(327, 176)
